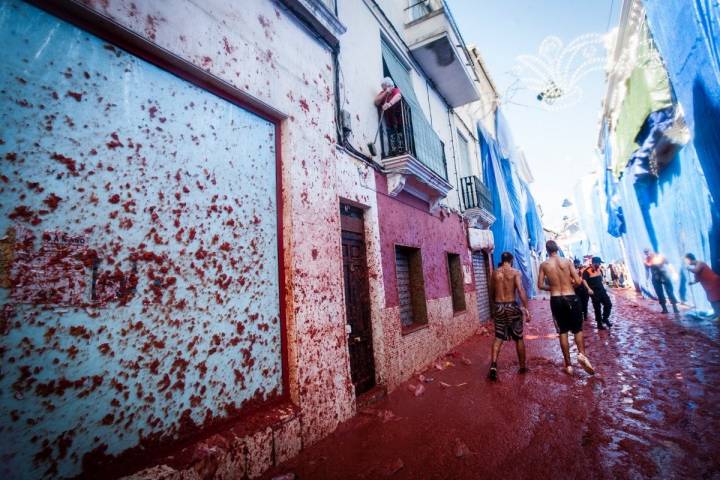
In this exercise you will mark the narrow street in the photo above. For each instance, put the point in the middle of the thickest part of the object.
(649, 412)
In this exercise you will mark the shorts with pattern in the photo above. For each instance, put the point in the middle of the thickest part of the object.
(508, 321)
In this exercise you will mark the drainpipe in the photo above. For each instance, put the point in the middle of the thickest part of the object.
(452, 142)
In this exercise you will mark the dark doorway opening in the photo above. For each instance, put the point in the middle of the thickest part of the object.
(357, 298)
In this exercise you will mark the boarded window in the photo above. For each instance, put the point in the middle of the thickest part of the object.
(457, 287)
(411, 287)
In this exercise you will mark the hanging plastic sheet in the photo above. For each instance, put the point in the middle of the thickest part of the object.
(534, 225)
(510, 227)
(648, 90)
(687, 34)
(616, 219)
(643, 161)
(680, 219)
(589, 201)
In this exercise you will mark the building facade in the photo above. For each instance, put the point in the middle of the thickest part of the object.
(204, 266)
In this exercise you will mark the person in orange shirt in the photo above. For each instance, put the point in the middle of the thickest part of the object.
(709, 280)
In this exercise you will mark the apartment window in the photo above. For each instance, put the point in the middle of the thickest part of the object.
(457, 286)
(419, 8)
(411, 287)
(464, 148)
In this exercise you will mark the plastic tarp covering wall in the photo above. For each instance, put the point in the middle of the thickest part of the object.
(687, 34)
(693, 63)
(589, 202)
(680, 219)
(510, 229)
(144, 286)
(648, 90)
(534, 225)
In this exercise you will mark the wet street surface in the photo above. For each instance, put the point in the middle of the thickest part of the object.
(651, 411)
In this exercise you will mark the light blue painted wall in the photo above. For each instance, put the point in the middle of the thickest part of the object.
(202, 163)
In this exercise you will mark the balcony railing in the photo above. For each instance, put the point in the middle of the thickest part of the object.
(404, 132)
(421, 8)
(475, 194)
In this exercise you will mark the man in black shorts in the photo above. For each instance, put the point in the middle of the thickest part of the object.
(505, 283)
(564, 304)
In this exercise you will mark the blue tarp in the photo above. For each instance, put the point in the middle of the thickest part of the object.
(616, 218)
(687, 34)
(517, 227)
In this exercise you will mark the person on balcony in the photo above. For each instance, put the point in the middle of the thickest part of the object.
(388, 100)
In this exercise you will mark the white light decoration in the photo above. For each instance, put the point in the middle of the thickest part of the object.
(555, 73)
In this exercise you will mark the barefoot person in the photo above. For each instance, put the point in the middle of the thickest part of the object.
(564, 304)
(505, 283)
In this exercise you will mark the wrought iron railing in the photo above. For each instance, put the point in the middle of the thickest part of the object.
(475, 194)
(400, 136)
(396, 131)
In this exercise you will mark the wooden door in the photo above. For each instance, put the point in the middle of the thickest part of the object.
(357, 299)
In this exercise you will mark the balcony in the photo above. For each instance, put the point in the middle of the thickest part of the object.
(320, 16)
(477, 201)
(413, 155)
(434, 42)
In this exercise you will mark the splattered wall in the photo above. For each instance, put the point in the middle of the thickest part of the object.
(138, 251)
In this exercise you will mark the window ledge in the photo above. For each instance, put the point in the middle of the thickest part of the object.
(414, 328)
(457, 313)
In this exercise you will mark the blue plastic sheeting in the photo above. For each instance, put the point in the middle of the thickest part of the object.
(589, 202)
(534, 225)
(681, 219)
(613, 208)
(687, 34)
(517, 226)
(648, 138)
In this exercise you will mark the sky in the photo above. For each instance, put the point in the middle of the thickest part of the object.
(560, 146)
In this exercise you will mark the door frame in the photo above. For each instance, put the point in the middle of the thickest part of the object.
(116, 34)
(359, 230)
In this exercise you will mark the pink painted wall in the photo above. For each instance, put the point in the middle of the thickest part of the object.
(404, 221)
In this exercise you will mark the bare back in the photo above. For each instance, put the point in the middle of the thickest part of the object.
(560, 274)
(504, 280)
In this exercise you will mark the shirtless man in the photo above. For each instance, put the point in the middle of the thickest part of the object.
(504, 284)
(565, 306)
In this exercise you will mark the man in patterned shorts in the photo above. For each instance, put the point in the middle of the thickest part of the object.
(505, 283)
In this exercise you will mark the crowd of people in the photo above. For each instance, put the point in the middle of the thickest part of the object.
(573, 284)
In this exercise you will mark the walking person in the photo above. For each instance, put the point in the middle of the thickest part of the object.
(581, 289)
(656, 266)
(592, 277)
(564, 304)
(709, 280)
(505, 284)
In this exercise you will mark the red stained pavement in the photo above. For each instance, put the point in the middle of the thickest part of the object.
(650, 412)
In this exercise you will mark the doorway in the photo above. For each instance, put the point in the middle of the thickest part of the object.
(357, 298)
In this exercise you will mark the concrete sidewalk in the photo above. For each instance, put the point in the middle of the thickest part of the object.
(649, 412)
